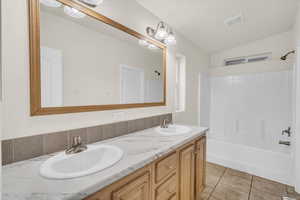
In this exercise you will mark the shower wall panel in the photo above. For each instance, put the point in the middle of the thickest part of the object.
(252, 109)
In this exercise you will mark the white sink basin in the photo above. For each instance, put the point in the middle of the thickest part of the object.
(94, 159)
(173, 129)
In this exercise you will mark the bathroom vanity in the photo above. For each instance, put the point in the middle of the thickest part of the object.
(178, 175)
(153, 167)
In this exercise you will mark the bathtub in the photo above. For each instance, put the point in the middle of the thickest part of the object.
(267, 164)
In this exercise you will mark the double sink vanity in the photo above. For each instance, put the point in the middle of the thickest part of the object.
(153, 164)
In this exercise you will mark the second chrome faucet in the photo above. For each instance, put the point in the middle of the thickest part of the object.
(77, 146)
(165, 123)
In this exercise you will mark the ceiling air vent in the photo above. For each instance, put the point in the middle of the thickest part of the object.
(235, 61)
(247, 59)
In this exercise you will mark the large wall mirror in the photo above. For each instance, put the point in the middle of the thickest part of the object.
(83, 61)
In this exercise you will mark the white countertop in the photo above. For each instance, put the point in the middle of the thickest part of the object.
(21, 180)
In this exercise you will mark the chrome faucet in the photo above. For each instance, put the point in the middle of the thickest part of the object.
(165, 123)
(77, 146)
(287, 143)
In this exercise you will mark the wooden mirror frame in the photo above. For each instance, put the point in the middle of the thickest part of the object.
(35, 76)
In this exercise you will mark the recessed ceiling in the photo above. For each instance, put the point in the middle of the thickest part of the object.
(202, 21)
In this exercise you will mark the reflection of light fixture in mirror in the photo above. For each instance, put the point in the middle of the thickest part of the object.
(51, 3)
(162, 33)
(152, 47)
(92, 3)
(143, 43)
(73, 12)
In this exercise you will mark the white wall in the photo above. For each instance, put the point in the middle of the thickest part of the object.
(17, 121)
(1, 110)
(296, 143)
(205, 100)
(200, 62)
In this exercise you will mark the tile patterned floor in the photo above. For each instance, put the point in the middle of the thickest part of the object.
(228, 184)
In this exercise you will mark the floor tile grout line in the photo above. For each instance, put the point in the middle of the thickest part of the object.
(251, 184)
(219, 180)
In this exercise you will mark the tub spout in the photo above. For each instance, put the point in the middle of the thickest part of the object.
(287, 143)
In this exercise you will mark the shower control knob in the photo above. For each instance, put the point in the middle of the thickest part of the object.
(287, 131)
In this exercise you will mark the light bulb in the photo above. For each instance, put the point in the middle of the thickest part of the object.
(73, 12)
(161, 32)
(170, 40)
(51, 3)
(143, 43)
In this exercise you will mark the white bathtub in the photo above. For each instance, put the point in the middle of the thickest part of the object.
(271, 165)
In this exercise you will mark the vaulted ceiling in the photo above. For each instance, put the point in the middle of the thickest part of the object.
(202, 21)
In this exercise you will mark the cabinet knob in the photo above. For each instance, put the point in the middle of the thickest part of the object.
(169, 191)
(169, 167)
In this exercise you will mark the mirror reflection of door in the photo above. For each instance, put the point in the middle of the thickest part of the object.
(51, 77)
(132, 84)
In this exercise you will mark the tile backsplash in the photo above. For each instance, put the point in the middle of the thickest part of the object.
(24, 148)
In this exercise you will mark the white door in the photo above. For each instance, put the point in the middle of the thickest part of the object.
(154, 91)
(132, 85)
(51, 77)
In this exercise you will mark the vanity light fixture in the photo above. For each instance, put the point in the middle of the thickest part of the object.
(163, 33)
(92, 3)
(73, 12)
(51, 3)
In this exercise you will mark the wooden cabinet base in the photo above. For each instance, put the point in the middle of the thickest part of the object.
(179, 175)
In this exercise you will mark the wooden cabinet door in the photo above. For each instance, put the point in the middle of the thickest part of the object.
(137, 189)
(167, 190)
(187, 173)
(200, 167)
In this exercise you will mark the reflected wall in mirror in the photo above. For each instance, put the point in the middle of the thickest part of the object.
(83, 61)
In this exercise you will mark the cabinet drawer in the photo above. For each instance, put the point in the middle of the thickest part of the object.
(137, 189)
(164, 167)
(167, 190)
(174, 197)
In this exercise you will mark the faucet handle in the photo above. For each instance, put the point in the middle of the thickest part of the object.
(77, 140)
(164, 123)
